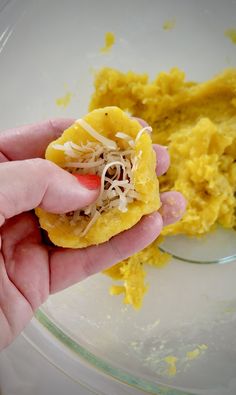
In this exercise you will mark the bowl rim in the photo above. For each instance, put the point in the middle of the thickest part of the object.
(104, 367)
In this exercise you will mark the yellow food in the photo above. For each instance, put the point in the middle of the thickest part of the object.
(197, 121)
(131, 272)
(169, 24)
(112, 124)
(109, 42)
(190, 355)
(171, 361)
(231, 34)
(65, 100)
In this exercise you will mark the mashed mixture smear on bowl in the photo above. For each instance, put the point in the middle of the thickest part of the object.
(197, 121)
(109, 144)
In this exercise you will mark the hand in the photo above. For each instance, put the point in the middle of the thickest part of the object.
(29, 269)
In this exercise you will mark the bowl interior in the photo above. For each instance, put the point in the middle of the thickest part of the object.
(189, 313)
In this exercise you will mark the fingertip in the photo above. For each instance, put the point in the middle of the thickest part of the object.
(173, 207)
(163, 159)
(58, 125)
(64, 193)
(151, 225)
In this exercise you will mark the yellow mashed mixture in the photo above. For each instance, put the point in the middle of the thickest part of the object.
(92, 226)
(109, 42)
(197, 121)
(169, 24)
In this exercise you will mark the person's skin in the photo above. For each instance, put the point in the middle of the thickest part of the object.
(31, 270)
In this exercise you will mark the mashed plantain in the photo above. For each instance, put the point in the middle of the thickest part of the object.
(107, 143)
(197, 121)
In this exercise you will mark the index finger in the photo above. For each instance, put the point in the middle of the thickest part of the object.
(30, 141)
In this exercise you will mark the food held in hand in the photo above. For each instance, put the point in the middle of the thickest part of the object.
(108, 144)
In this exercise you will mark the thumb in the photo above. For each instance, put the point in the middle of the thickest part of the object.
(32, 183)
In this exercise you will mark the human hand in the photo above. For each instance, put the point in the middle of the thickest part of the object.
(30, 270)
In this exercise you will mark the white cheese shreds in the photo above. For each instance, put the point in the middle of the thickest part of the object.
(123, 136)
(59, 147)
(84, 165)
(89, 129)
(114, 165)
(93, 220)
(145, 129)
(118, 184)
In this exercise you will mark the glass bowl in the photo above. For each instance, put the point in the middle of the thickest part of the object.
(51, 49)
(217, 246)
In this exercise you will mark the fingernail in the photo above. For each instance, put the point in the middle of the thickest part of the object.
(89, 181)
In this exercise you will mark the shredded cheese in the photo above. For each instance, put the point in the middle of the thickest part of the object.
(85, 165)
(115, 167)
(89, 129)
(93, 220)
(143, 130)
(125, 137)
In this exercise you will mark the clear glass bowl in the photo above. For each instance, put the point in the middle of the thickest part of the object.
(218, 246)
(48, 49)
